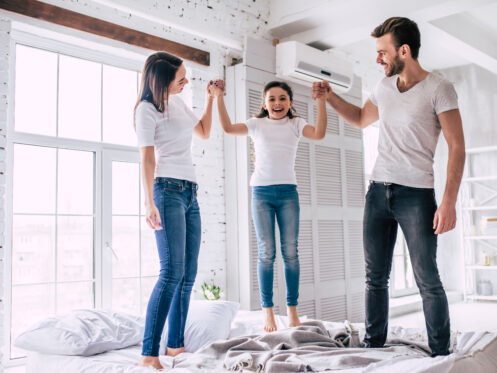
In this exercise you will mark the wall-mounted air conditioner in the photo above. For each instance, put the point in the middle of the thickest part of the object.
(302, 64)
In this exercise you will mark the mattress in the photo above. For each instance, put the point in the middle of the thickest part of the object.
(474, 352)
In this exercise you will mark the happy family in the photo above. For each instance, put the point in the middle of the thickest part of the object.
(412, 106)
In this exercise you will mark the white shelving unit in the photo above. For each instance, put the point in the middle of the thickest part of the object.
(479, 201)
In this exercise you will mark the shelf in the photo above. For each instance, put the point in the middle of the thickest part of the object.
(480, 237)
(482, 149)
(480, 208)
(482, 297)
(485, 268)
(479, 178)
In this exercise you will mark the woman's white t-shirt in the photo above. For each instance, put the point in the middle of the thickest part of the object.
(276, 143)
(171, 134)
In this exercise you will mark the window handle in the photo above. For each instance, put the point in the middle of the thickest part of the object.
(107, 245)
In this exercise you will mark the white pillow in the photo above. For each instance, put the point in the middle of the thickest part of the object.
(207, 321)
(82, 332)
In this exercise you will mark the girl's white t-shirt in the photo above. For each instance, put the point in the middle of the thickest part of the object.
(171, 134)
(276, 143)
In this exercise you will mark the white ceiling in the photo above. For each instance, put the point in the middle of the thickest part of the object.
(453, 32)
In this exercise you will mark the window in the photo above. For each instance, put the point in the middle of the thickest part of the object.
(71, 114)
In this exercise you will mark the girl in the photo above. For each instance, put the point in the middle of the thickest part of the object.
(164, 128)
(276, 131)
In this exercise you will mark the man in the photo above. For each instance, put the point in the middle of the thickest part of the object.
(412, 105)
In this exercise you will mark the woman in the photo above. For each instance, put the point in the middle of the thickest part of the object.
(164, 128)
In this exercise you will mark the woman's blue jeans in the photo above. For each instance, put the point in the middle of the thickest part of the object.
(178, 243)
(280, 202)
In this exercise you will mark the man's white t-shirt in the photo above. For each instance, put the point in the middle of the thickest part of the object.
(171, 134)
(409, 129)
(275, 143)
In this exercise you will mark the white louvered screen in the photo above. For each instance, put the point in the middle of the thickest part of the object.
(328, 176)
(333, 123)
(334, 308)
(254, 102)
(351, 131)
(356, 253)
(306, 253)
(303, 173)
(302, 109)
(307, 308)
(331, 250)
(331, 192)
(355, 178)
(357, 307)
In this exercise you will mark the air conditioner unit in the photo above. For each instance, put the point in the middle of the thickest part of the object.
(302, 64)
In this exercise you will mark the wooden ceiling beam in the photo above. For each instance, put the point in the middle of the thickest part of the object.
(64, 17)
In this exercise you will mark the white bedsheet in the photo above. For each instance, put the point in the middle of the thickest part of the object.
(475, 352)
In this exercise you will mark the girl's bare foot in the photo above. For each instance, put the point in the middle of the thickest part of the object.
(151, 361)
(174, 351)
(293, 317)
(269, 322)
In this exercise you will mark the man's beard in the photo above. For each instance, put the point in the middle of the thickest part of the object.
(396, 67)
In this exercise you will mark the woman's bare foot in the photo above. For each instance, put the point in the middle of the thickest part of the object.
(151, 361)
(269, 322)
(293, 317)
(174, 351)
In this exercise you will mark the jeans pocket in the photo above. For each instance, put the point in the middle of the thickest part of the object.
(172, 186)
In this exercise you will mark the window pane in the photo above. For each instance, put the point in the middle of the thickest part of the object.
(34, 179)
(147, 284)
(126, 295)
(30, 304)
(125, 188)
(400, 275)
(149, 253)
(33, 249)
(125, 242)
(74, 248)
(79, 98)
(119, 98)
(75, 178)
(74, 296)
(35, 90)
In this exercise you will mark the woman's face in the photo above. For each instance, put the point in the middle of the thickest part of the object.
(277, 103)
(179, 81)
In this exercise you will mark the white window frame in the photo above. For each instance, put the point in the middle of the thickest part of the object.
(99, 148)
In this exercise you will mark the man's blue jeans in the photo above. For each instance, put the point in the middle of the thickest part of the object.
(178, 243)
(387, 206)
(280, 202)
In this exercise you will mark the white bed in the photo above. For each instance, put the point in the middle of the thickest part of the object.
(475, 352)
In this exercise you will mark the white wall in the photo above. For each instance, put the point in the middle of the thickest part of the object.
(203, 17)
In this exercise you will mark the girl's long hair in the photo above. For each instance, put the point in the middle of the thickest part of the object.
(158, 73)
(263, 112)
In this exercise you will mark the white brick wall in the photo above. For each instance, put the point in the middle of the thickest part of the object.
(233, 19)
(4, 78)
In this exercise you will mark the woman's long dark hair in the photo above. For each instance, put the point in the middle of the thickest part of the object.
(158, 73)
(263, 112)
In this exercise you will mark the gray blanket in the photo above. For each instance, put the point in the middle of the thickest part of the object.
(307, 348)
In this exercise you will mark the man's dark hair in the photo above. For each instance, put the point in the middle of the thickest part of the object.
(403, 30)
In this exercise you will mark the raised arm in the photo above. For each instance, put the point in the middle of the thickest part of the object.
(445, 216)
(203, 127)
(240, 129)
(148, 169)
(356, 116)
(318, 131)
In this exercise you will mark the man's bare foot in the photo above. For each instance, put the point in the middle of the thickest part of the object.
(151, 361)
(269, 322)
(293, 317)
(174, 351)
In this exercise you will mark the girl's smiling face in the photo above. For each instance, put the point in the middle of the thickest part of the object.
(277, 103)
